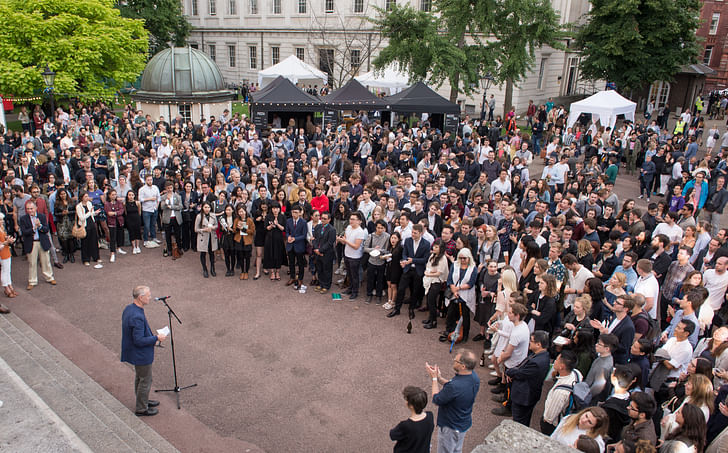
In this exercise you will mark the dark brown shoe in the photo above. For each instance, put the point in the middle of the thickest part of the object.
(290, 282)
(4, 310)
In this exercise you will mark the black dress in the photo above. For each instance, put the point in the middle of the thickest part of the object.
(90, 244)
(133, 221)
(274, 253)
(394, 269)
(260, 231)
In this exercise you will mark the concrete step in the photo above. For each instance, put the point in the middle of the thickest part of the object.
(99, 420)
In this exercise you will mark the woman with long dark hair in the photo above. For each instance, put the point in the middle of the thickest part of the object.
(227, 228)
(85, 216)
(244, 232)
(64, 211)
(261, 231)
(690, 430)
(205, 227)
(132, 216)
(274, 253)
(394, 269)
(436, 273)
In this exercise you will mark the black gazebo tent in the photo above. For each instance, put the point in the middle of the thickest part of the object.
(283, 98)
(353, 96)
(419, 98)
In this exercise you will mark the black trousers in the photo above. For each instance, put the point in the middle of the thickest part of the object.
(230, 256)
(453, 314)
(352, 270)
(325, 269)
(412, 280)
(188, 235)
(522, 414)
(208, 252)
(173, 228)
(433, 297)
(116, 238)
(244, 260)
(376, 280)
(546, 427)
(296, 260)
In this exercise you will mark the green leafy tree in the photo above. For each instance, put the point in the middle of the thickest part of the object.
(92, 49)
(637, 42)
(460, 40)
(162, 18)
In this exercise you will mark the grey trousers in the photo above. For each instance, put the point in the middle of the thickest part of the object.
(449, 440)
(142, 386)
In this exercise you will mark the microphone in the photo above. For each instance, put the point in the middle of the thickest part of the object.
(162, 298)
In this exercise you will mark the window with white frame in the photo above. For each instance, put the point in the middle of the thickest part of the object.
(301, 6)
(708, 54)
(329, 5)
(194, 45)
(193, 8)
(358, 6)
(389, 4)
(253, 6)
(253, 52)
(277, 8)
(212, 7)
(300, 53)
(426, 5)
(659, 93)
(275, 55)
(232, 7)
(355, 59)
(541, 73)
(185, 111)
(231, 55)
(212, 51)
(714, 21)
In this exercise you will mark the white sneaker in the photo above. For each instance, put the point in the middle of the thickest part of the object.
(153, 244)
(103, 245)
(113, 258)
(98, 266)
(388, 306)
(121, 251)
(157, 241)
(146, 244)
(493, 373)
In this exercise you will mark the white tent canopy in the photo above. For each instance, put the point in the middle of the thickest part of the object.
(389, 80)
(294, 70)
(604, 107)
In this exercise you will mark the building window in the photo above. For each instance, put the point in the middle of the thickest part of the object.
(714, 21)
(541, 73)
(358, 6)
(300, 53)
(355, 59)
(231, 55)
(211, 51)
(329, 5)
(301, 6)
(389, 4)
(253, 51)
(275, 55)
(426, 5)
(212, 5)
(193, 8)
(232, 7)
(194, 45)
(276, 6)
(659, 93)
(708, 54)
(185, 111)
(253, 6)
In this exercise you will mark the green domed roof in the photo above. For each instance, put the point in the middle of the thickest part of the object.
(182, 73)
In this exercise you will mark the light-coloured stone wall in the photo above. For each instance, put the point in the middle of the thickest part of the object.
(512, 437)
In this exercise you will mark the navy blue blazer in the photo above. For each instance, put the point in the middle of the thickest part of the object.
(419, 256)
(528, 379)
(299, 233)
(26, 230)
(137, 340)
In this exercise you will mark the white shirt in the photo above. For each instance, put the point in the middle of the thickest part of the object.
(405, 232)
(520, 337)
(649, 287)
(716, 286)
(681, 353)
(577, 281)
(352, 235)
(500, 186)
(149, 192)
(674, 232)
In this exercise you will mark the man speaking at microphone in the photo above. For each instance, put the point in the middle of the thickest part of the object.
(137, 348)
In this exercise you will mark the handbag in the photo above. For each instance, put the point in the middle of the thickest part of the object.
(78, 231)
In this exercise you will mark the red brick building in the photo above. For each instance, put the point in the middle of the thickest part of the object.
(714, 33)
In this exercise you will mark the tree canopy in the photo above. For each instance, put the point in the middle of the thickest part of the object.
(460, 40)
(637, 42)
(92, 49)
(162, 18)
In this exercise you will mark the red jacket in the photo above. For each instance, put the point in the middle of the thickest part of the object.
(320, 204)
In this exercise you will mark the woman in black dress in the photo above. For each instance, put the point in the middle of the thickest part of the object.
(133, 221)
(86, 217)
(227, 220)
(394, 269)
(274, 253)
(65, 210)
(259, 239)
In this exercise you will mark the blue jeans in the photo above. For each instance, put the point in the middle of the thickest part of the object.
(449, 440)
(150, 220)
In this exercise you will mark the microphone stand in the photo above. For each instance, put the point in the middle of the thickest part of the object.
(177, 389)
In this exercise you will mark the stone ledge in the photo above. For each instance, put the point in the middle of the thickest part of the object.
(511, 437)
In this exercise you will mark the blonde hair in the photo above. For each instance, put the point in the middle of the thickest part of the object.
(586, 302)
(508, 277)
(621, 278)
(584, 248)
(702, 394)
(600, 427)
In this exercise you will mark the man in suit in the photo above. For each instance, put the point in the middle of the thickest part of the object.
(36, 244)
(137, 348)
(415, 252)
(324, 241)
(528, 377)
(296, 232)
(171, 206)
(622, 327)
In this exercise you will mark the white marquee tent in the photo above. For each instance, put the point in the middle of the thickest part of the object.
(294, 70)
(604, 107)
(389, 80)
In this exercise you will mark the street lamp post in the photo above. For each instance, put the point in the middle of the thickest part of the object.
(486, 81)
(49, 78)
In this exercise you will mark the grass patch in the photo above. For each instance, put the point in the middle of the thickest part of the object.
(241, 108)
(14, 125)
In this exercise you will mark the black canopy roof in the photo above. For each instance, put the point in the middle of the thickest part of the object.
(353, 95)
(420, 98)
(282, 95)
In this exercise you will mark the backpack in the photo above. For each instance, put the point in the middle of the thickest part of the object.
(653, 333)
(579, 396)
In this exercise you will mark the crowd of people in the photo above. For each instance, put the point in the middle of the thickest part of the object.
(549, 270)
